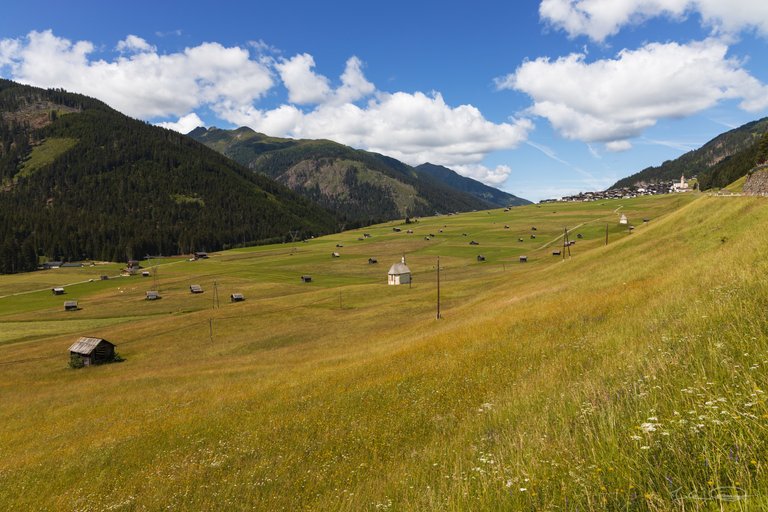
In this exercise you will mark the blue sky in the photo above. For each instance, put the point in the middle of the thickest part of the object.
(539, 98)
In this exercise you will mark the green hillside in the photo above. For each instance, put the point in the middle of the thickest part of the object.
(717, 163)
(80, 180)
(627, 377)
(360, 186)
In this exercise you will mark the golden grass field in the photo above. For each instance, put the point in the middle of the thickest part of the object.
(630, 376)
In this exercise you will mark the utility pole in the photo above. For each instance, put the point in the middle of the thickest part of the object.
(438, 287)
(606, 233)
(216, 303)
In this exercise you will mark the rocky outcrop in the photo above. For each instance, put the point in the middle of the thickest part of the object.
(757, 182)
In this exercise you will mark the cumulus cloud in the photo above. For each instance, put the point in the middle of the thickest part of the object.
(617, 146)
(599, 19)
(490, 176)
(613, 100)
(185, 124)
(303, 84)
(412, 126)
(142, 84)
(305, 87)
(134, 44)
(9, 48)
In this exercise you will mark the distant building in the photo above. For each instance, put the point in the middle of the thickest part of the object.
(623, 219)
(399, 273)
(93, 350)
(682, 186)
(236, 297)
(57, 290)
(195, 288)
(152, 295)
(70, 305)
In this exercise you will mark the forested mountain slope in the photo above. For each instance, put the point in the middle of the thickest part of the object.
(360, 186)
(80, 180)
(717, 163)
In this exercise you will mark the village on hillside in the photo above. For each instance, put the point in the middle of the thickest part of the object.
(638, 189)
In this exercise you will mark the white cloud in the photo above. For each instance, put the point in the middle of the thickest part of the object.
(305, 87)
(9, 49)
(144, 84)
(616, 99)
(479, 172)
(599, 19)
(303, 84)
(185, 124)
(134, 44)
(617, 146)
(354, 85)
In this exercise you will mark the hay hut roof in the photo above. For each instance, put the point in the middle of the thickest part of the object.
(86, 345)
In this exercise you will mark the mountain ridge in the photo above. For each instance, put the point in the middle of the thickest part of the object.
(361, 186)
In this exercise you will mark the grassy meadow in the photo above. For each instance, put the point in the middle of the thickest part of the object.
(630, 376)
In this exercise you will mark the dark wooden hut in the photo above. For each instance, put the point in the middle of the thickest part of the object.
(306, 279)
(152, 295)
(93, 350)
(59, 290)
(70, 305)
(195, 288)
(236, 297)
(523, 259)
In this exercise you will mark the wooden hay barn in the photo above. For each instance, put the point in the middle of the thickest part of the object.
(523, 259)
(57, 290)
(70, 305)
(473, 242)
(306, 279)
(335, 255)
(104, 278)
(236, 297)
(555, 253)
(152, 295)
(371, 261)
(145, 273)
(195, 288)
(92, 350)
(201, 255)
(480, 257)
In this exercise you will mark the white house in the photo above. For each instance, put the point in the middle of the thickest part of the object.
(399, 273)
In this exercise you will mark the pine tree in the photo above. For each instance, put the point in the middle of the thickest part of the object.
(762, 150)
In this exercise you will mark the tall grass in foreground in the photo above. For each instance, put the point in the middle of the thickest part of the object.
(631, 377)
